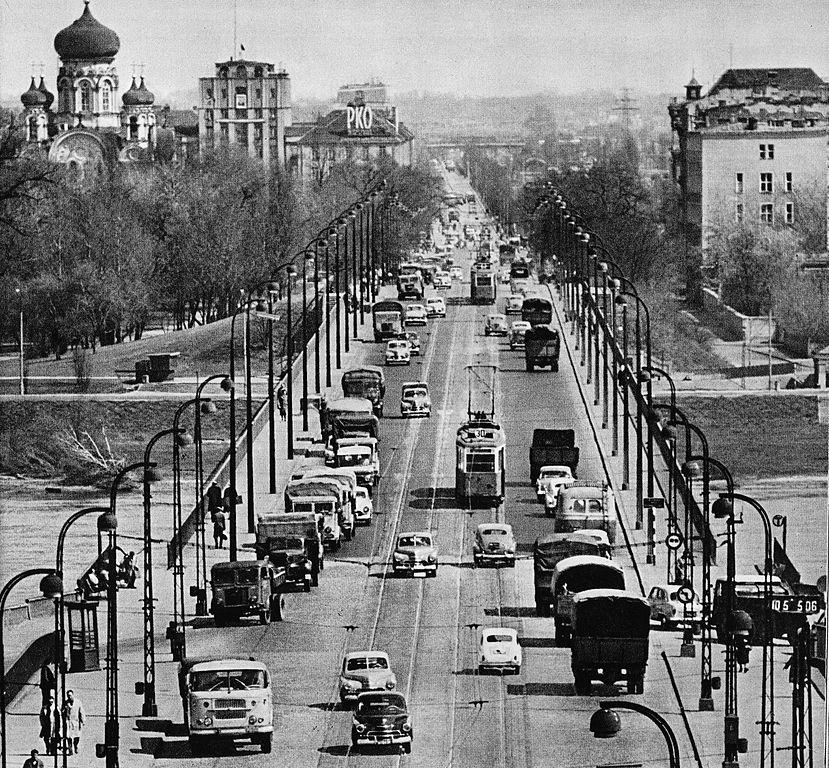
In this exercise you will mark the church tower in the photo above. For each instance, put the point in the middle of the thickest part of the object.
(138, 120)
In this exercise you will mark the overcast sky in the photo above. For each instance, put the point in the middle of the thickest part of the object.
(476, 47)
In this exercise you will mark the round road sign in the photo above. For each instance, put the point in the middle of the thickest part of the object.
(778, 521)
(673, 541)
(685, 595)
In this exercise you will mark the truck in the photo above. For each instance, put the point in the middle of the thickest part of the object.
(387, 316)
(541, 348)
(410, 286)
(553, 446)
(537, 311)
(347, 415)
(586, 505)
(292, 541)
(368, 381)
(247, 588)
(323, 498)
(346, 479)
(610, 636)
(359, 454)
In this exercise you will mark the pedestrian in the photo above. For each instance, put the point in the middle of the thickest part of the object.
(49, 715)
(214, 498)
(34, 761)
(219, 525)
(74, 719)
(280, 401)
(742, 653)
(128, 571)
(47, 684)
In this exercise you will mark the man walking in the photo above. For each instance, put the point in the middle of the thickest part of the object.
(280, 401)
(219, 525)
(214, 499)
(74, 719)
(49, 725)
(34, 761)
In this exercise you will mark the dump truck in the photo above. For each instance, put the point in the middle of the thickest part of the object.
(541, 348)
(292, 541)
(553, 446)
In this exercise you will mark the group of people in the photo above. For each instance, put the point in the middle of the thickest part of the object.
(71, 714)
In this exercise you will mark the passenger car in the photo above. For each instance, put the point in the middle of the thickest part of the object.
(415, 399)
(435, 306)
(550, 478)
(517, 331)
(513, 304)
(456, 273)
(414, 341)
(496, 325)
(494, 543)
(669, 611)
(503, 275)
(365, 671)
(415, 314)
(381, 718)
(398, 352)
(364, 506)
(415, 552)
(498, 649)
(442, 279)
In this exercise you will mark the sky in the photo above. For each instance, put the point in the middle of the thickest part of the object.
(468, 47)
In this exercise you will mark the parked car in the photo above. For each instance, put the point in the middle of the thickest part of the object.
(381, 719)
(364, 671)
(494, 543)
(517, 332)
(498, 649)
(551, 477)
(415, 314)
(513, 304)
(363, 506)
(415, 552)
(435, 306)
(415, 399)
(398, 352)
(456, 273)
(669, 611)
(496, 325)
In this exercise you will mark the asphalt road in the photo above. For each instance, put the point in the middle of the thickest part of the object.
(428, 626)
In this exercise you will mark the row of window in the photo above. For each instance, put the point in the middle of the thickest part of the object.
(240, 92)
(67, 97)
(766, 213)
(766, 183)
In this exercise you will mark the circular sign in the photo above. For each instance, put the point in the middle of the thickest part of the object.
(673, 541)
(778, 521)
(685, 595)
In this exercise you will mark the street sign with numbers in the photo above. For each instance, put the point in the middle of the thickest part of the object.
(653, 502)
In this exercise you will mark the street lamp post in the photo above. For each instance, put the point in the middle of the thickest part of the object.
(338, 293)
(317, 245)
(606, 723)
(21, 367)
(290, 273)
(112, 737)
(346, 219)
(51, 586)
(355, 275)
(327, 245)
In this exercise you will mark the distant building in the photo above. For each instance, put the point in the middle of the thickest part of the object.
(744, 151)
(370, 93)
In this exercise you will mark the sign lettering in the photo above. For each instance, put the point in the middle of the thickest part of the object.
(358, 117)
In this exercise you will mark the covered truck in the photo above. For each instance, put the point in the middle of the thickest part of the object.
(347, 415)
(322, 497)
(368, 381)
(247, 588)
(347, 480)
(609, 641)
(292, 541)
(387, 316)
(553, 446)
(541, 347)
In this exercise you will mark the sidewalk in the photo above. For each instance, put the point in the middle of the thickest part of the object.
(141, 737)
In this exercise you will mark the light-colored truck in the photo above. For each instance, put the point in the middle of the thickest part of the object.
(346, 478)
(320, 496)
(292, 541)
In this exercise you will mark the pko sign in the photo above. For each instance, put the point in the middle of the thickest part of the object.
(358, 117)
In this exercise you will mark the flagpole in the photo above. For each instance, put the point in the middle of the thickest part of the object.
(235, 49)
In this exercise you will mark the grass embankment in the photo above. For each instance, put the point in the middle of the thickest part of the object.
(761, 436)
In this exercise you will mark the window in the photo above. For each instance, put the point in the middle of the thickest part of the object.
(259, 94)
(738, 183)
(789, 187)
(789, 213)
(767, 151)
(86, 97)
(739, 212)
(224, 93)
(106, 97)
(133, 127)
(480, 461)
(767, 214)
(766, 183)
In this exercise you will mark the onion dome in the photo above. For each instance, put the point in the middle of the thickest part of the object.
(33, 97)
(87, 39)
(138, 97)
(50, 97)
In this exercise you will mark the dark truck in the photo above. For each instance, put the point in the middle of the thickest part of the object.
(348, 415)
(368, 381)
(541, 347)
(610, 639)
(550, 447)
(247, 588)
(293, 542)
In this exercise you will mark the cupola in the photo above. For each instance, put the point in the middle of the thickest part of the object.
(86, 39)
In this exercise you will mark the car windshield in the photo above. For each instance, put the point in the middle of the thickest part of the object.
(284, 542)
(414, 541)
(415, 392)
(223, 578)
(247, 575)
(493, 532)
(366, 662)
(362, 492)
(545, 473)
(378, 704)
(397, 344)
(229, 680)
(493, 638)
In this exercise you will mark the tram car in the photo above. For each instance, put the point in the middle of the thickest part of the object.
(479, 467)
(483, 285)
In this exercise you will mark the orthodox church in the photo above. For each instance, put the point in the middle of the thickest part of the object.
(93, 125)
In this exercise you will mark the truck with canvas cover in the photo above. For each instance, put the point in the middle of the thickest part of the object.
(576, 574)
(537, 311)
(368, 381)
(410, 286)
(541, 348)
(247, 588)
(387, 316)
(553, 446)
(347, 415)
(321, 497)
(347, 480)
(609, 641)
(293, 541)
(586, 505)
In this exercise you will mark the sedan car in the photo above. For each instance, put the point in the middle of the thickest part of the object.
(365, 671)
(415, 552)
(550, 478)
(415, 399)
(364, 506)
(415, 314)
(414, 341)
(517, 332)
(398, 352)
(381, 719)
(435, 306)
(456, 273)
(669, 611)
(514, 303)
(496, 325)
(442, 280)
(498, 649)
(494, 543)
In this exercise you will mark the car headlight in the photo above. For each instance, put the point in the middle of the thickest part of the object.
(352, 684)
(359, 727)
(433, 558)
(252, 720)
(390, 684)
(398, 556)
(328, 529)
(407, 726)
(208, 721)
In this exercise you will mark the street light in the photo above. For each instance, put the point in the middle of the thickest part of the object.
(51, 586)
(605, 723)
(260, 307)
(109, 749)
(290, 274)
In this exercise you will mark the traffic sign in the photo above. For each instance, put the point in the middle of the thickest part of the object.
(653, 502)
(685, 595)
(796, 604)
(673, 541)
(778, 521)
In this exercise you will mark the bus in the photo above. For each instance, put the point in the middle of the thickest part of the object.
(537, 311)
(388, 319)
(483, 285)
